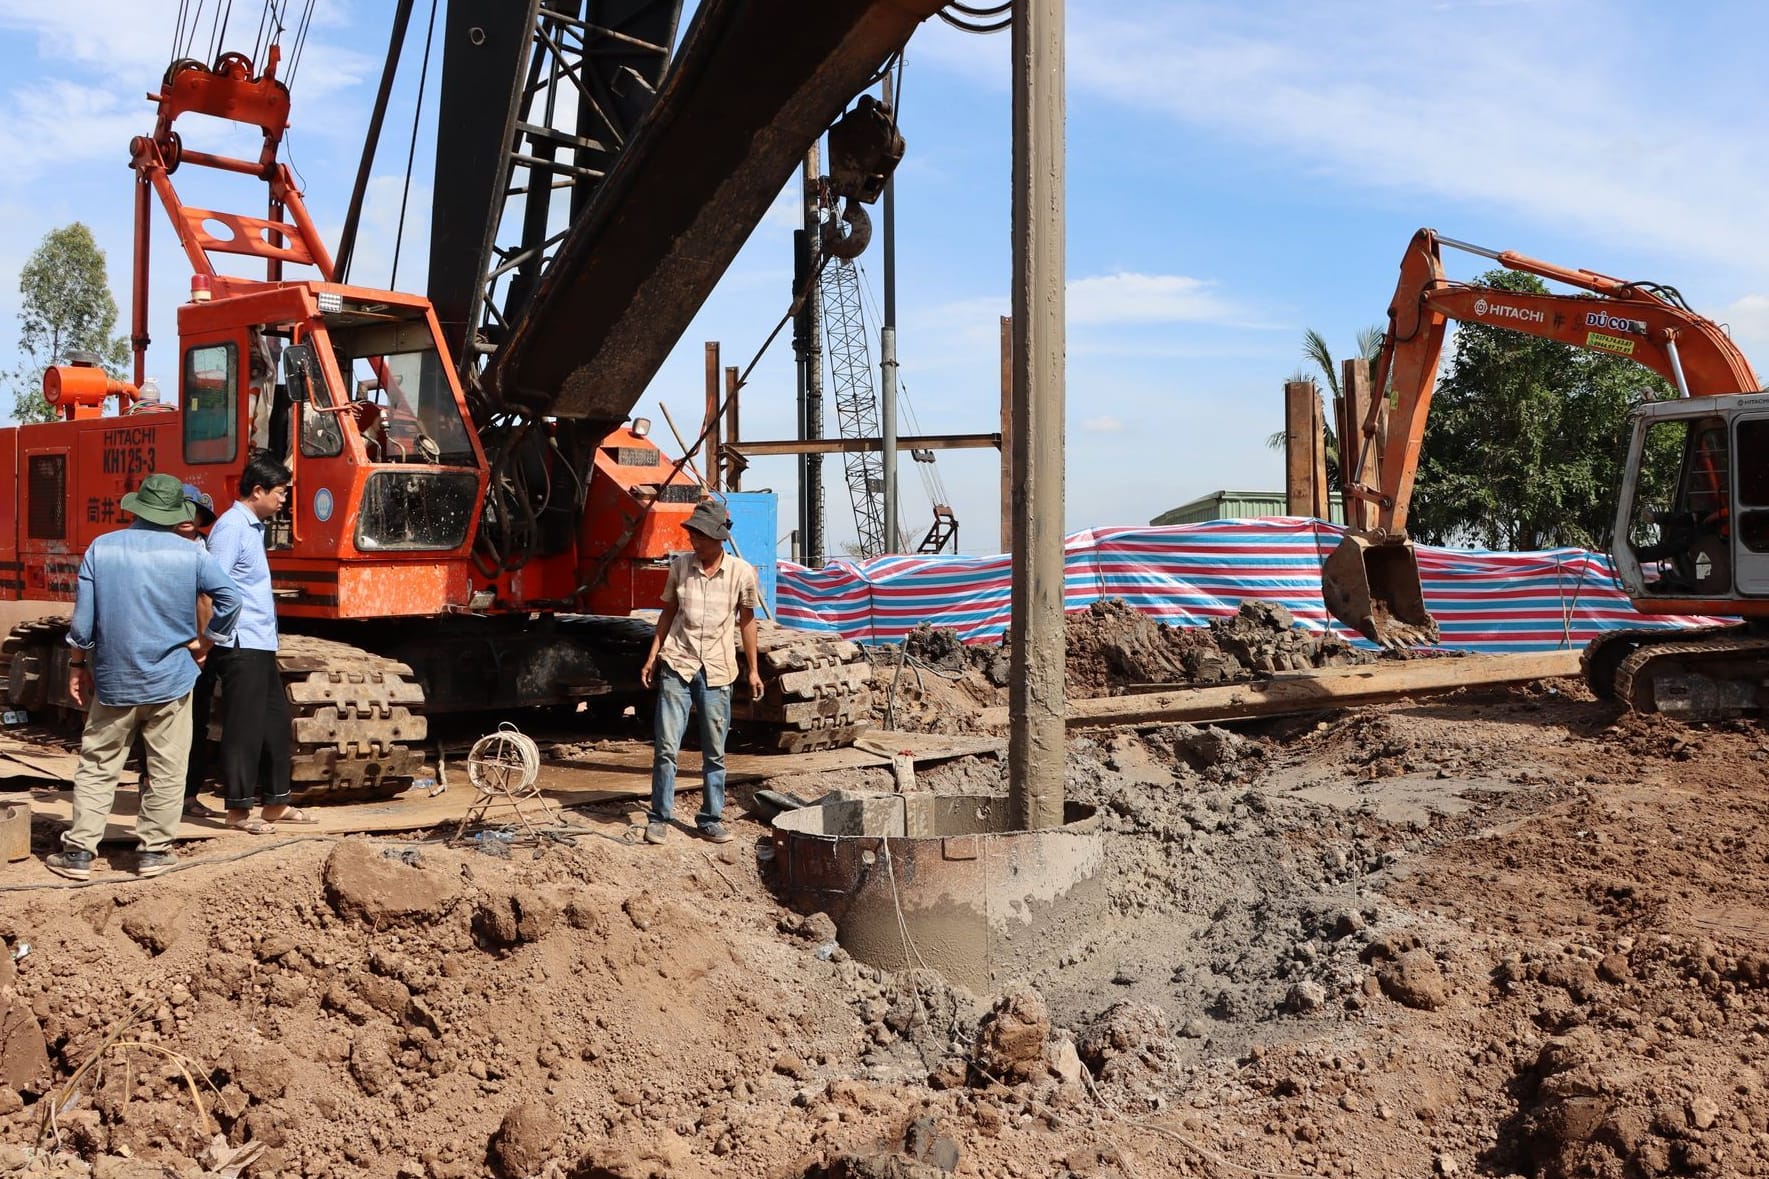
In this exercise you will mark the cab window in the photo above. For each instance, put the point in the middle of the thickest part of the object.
(210, 397)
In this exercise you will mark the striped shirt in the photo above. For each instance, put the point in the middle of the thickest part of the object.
(704, 633)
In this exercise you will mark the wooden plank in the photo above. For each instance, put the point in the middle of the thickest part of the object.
(1299, 418)
(619, 772)
(1339, 687)
(1320, 507)
(1355, 382)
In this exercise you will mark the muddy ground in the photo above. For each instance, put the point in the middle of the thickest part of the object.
(1501, 933)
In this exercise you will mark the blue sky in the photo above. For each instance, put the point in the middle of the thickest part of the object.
(1238, 173)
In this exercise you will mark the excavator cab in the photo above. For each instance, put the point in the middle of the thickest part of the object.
(1371, 584)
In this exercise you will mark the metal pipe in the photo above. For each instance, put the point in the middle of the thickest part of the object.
(1676, 366)
(1469, 248)
(1035, 696)
(887, 348)
(811, 479)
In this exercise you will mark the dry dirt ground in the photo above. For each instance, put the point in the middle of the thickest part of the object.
(1505, 933)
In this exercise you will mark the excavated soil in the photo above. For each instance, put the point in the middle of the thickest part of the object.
(1501, 933)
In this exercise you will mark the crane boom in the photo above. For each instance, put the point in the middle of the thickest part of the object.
(753, 84)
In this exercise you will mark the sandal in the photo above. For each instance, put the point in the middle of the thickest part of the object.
(196, 808)
(251, 826)
(295, 816)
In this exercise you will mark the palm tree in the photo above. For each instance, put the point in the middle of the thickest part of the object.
(1314, 347)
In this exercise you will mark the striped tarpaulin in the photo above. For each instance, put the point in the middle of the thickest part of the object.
(1186, 575)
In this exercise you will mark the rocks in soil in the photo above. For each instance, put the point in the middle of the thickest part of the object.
(527, 1137)
(1415, 979)
(1010, 1039)
(385, 887)
(1131, 1036)
(156, 921)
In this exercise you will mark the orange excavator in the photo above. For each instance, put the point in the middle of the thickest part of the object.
(1696, 546)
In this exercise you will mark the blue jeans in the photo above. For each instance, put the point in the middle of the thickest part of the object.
(675, 695)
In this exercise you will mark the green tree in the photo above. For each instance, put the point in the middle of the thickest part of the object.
(1527, 438)
(67, 308)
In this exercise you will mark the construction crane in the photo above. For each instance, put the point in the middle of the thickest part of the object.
(456, 525)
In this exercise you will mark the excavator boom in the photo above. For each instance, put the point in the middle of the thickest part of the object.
(1371, 581)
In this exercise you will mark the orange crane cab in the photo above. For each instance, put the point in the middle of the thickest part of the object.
(1697, 546)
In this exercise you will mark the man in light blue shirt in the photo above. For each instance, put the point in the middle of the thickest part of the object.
(135, 657)
(254, 705)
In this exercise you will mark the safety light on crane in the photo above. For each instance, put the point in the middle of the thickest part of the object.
(330, 302)
(199, 288)
(640, 427)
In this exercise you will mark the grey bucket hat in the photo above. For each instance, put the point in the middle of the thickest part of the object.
(160, 500)
(709, 519)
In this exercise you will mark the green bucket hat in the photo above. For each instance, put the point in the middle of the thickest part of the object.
(160, 500)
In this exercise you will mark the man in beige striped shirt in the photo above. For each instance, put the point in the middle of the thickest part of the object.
(709, 601)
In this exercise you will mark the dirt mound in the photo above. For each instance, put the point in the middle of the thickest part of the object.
(935, 683)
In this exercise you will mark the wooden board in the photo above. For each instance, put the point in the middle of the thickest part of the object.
(616, 771)
(1338, 687)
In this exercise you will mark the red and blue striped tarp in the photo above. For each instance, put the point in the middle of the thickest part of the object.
(1186, 575)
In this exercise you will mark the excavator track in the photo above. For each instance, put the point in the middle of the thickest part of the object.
(1604, 654)
(354, 733)
(357, 721)
(817, 692)
(1722, 674)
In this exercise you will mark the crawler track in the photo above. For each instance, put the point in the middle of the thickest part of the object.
(817, 692)
(1720, 674)
(357, 725)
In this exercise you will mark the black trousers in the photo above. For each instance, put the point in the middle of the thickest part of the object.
(254, 727)
(202, 700)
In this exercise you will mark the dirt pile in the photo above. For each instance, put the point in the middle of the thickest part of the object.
(935, 683)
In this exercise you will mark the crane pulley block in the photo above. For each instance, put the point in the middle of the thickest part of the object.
(864, 149)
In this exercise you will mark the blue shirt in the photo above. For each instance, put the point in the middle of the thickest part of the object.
(237, 543)
(135, 609)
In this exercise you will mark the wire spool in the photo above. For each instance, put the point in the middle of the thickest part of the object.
(503, 762)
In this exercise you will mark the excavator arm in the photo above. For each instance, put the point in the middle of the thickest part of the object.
(1371, 581)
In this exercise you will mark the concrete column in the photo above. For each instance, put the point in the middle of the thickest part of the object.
(1035, 700)
(1006, 537)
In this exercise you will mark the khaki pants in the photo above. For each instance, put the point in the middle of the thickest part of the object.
(104, 746)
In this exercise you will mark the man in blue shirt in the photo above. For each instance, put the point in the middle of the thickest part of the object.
(254, 705)
(135, 657)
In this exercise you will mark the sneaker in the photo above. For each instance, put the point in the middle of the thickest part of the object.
(715, 833)
(656, 832)
(75, 865)
(154, 863)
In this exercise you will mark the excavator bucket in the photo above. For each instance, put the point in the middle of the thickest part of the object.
(1371, 584)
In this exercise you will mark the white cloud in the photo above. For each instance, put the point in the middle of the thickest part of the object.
(1104, 424)
(1748, 319)
(1145, 298)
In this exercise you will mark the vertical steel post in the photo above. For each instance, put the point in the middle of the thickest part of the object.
(887, 351)
(1035, 701)
(714, 452)
(811, 413)
(734, 469)
(1005, 539)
